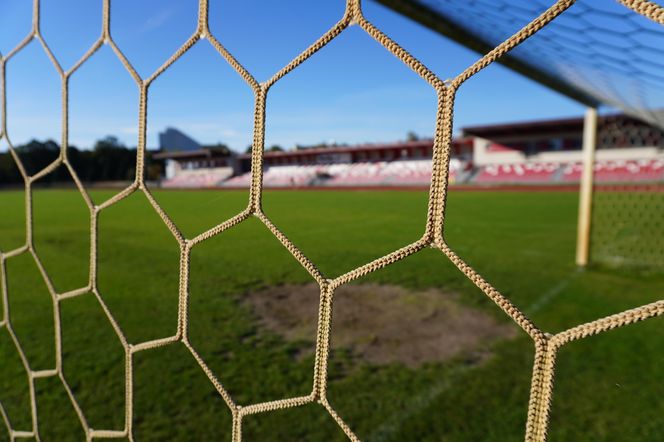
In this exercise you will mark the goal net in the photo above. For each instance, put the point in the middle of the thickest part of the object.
(628, 198)
(597, 52)
(586, 70)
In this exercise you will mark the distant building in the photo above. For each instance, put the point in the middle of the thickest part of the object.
(214, 166)
(216, 161)
(619, 136)
(533, 152)
(172, 140)
(401, 150)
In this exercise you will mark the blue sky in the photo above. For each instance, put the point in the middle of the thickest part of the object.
(351, 91)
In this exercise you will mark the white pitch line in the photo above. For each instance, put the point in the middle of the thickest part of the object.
(550, 294)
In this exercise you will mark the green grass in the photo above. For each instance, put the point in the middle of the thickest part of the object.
(608, 388)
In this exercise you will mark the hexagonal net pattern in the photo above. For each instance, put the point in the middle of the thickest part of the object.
(546, 345)
(627, 227)
(599, 51)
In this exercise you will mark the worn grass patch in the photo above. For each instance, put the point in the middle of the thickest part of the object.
(382, 324)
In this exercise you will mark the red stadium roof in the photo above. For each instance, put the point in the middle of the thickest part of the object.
(539, 127)
(209, 153)
(356, 148)
(199, 153)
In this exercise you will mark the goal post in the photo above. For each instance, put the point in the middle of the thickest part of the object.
(586, 187)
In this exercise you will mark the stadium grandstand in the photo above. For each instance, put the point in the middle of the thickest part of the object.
(530, 153)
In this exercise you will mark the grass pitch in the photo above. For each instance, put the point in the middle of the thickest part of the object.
(608, 387)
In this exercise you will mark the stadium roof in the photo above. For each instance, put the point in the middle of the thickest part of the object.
(356, 148)
(198, 153)
(596, 52)
(553, 126)
(209, 153)
(556, 126)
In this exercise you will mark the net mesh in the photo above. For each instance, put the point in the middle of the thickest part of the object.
(615, 132)
(623, 233)
(546, 345)
(627, 211)
(597, 50)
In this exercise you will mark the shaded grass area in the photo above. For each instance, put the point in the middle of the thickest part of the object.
(608, 387)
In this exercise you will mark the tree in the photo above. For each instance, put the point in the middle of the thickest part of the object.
(9, 173)
(412, 136)
(36, 155)
(109, 142)
(112, 160)
(276, 148)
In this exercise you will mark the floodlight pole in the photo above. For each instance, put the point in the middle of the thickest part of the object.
(586, 187)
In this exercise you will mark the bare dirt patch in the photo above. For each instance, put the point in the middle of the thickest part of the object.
(382, 324)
